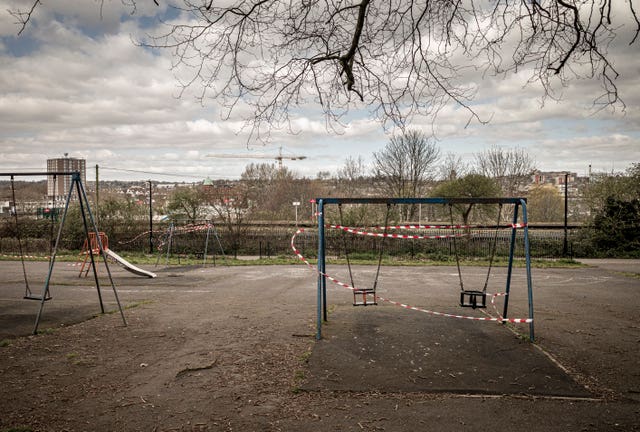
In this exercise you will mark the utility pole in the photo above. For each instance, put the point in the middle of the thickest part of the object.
(150, 218)
(565, 247)
(97, 210)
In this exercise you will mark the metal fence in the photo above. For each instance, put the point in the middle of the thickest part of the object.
(269, 240)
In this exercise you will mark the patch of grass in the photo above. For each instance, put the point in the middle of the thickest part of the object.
(48, 330)
(137, 304)
(305, 356)
(298, 378)
(331, 308)
(126, 307)
(356, 258)
(71, 356)
(5, 343)
(630, 275)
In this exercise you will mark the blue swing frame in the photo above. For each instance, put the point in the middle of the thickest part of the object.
(321, 294)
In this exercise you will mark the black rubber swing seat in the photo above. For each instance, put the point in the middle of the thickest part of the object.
(364, 293)
(473, 299)
(36, 297)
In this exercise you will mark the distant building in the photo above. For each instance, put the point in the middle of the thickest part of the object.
(557, 179)
(58, 186)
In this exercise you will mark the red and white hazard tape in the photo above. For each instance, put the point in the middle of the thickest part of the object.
(362, 232)
(498, 319)
(393, 235)
(176, 230)
(513, 225)
(424, 227)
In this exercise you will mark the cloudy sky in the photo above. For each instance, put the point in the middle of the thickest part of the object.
(74, 83)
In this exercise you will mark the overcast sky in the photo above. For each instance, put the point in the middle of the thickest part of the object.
(75, 83)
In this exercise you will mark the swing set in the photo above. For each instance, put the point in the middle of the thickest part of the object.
(469, 298)
(28, 294)
(90, 231)
(168, 238)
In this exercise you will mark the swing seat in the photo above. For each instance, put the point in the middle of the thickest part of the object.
(473, 299)
(364, 299)
(36, 297)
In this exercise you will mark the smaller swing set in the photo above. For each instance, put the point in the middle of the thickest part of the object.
(469, 298)
(167, 239)
(28, 294)
(90, 228)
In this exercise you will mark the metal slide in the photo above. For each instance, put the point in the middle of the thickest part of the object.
(128, 266)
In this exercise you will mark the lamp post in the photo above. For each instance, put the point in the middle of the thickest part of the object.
(565, 245)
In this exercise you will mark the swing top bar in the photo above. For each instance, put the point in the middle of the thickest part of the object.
(422, 200)
(56, 173)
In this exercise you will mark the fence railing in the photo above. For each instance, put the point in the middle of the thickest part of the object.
(269, 240)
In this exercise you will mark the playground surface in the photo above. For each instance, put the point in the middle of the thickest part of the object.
(233, 348)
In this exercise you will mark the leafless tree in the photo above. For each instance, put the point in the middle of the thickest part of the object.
(406, 164)
(399, 58)
(351, 177)
(511, 167)
(272, 190)
(453, 167)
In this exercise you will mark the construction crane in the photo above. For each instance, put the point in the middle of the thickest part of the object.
(279, 157)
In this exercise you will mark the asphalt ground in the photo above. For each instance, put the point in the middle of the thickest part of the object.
(583, 365)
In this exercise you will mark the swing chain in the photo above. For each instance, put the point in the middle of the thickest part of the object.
(469, 298)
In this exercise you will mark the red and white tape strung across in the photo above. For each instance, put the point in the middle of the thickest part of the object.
(400, 236)
(177, 230)
(498, 319)
(424, 227)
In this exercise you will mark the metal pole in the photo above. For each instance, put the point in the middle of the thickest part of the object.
(150, 218)
(565, 246)
(512, 246)
(528, 262)
(76, 180)
(52, 260)
(97, 197)
(206, 246)
(83, 195)
(169, 243)
(321, 270)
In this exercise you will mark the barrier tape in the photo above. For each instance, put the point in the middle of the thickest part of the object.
(512, 225)
(424, 227)
(393, 235)
(362, 232)
(498, 319)
(176, 230)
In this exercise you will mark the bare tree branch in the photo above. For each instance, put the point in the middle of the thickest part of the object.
(24, 17)
(398, 59)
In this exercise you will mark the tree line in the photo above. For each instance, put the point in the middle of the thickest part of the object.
(410, 165)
